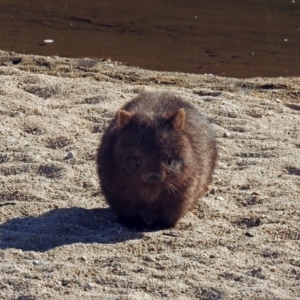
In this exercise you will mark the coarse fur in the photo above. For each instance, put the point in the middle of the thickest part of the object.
(156, 158)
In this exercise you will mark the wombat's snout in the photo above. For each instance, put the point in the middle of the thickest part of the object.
(153, 179)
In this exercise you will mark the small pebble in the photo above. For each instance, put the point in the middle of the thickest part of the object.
(222, 165)
(48, 41)
(69, 155)
(278, 100)
(256, 193)
(84, 258)
(36, 262)
(227, 134)
(248, 234)
(213, 190)
(220, 198)
(89, 285)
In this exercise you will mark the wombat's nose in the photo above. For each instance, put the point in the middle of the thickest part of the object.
(152, 179)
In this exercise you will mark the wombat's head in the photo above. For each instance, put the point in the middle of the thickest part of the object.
(152, 150)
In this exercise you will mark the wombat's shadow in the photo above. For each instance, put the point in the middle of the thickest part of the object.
(63, 226)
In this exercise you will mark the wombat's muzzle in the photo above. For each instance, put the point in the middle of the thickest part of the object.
(153, 179)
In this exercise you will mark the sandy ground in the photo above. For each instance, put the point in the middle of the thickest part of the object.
(58, 238)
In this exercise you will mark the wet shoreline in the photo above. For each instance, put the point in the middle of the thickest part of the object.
(232, 39)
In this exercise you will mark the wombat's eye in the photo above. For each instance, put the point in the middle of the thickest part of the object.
(169, 161)
(136, 159)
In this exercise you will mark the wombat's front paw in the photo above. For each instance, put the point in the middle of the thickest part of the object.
(162, 224)
(131, 222)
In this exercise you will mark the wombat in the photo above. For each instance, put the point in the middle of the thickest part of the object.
(156, 158)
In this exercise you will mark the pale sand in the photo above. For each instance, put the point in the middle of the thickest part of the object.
(59, 240)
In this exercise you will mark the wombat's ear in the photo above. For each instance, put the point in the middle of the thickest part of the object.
(178, 119)
(124, 118)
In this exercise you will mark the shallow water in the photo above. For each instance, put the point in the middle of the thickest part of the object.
(237, 38)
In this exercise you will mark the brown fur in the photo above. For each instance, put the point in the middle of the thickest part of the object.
(157, 156)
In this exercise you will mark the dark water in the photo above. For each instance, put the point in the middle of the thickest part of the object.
(239, 38)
